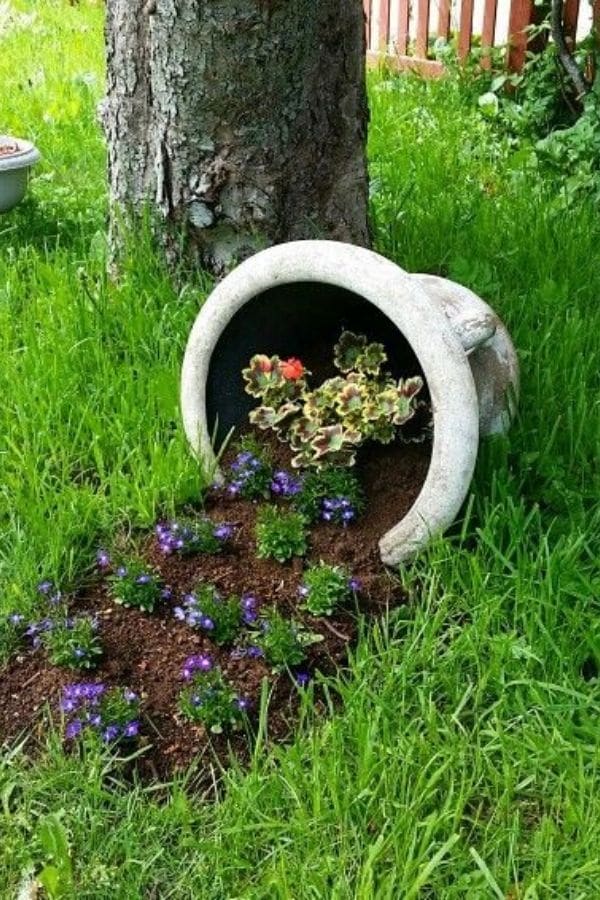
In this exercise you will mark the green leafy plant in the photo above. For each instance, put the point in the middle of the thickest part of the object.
(282, 641)
(326, 426)
(280, 534)
(320, 488)
(220, 617)
(134, 585)
(73, 642)
(210, 700)
(324, 587)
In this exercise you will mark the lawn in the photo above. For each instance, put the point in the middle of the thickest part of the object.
(463, 759)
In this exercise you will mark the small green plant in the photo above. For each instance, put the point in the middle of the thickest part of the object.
(207, 610)
(209, 699)
(112, 714)
(327, 425)
(135, 586)
(189, 536)
(281, 641)
(332, 494)
(280, 534)
(73, 642)
(324, 588)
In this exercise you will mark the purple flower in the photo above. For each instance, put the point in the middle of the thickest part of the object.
(73, 729)
(242, 703)
(68, 704)
(223, 532)
(129, 695)
(302, 679)
(55, 599)
(110, 733)
(79, 652)
(102, 559)
(16, 618)
(44, 587)
(179, 613)
(122, 572)
(132, 729)
(207, 623)
(303, 591)
(254, 652)
(355, 584)
(144, 578)
(166, 594)
(200, 663)
(285, 485)
(95, 720)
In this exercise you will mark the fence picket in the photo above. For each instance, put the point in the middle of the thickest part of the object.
(465, 28)
(570, 17)
(521, 16)
(443, 29)
(422, 28)
(384, 25)
(403, 25)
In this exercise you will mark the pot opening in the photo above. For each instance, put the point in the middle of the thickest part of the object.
(301, 319)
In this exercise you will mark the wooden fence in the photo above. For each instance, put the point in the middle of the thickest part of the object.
(406, 32)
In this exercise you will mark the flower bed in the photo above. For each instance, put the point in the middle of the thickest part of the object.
(265, 582)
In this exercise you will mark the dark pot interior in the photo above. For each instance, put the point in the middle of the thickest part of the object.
(303, 319)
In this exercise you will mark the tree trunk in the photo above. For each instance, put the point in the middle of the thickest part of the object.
(241, 122)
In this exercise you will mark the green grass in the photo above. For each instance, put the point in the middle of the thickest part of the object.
(463, 760)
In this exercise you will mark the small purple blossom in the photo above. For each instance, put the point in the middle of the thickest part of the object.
(303, 591)
(16, 618)
(144, 578)
(242, 703)
(44, 587)
(338, 509)
(302, 679)
(129, 695)
(166, 594)
(355, 584)
(197, 663)
(285, 485)
(110, 733)
(73, 729)
(103, 559)
(122, 572)
(254, 652)
(131, 729)
(223, 532)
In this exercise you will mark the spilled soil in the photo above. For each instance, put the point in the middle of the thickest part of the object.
(146, 652)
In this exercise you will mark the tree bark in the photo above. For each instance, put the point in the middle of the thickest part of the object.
(241, 123)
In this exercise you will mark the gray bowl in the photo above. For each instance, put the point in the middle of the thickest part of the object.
(14, 172)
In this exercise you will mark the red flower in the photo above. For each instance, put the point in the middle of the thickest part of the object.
(292, 369)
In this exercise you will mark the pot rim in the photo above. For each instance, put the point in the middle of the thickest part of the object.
(22, 158)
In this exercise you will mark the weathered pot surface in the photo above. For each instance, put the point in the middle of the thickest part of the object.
(281, 299)
(16, 159)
